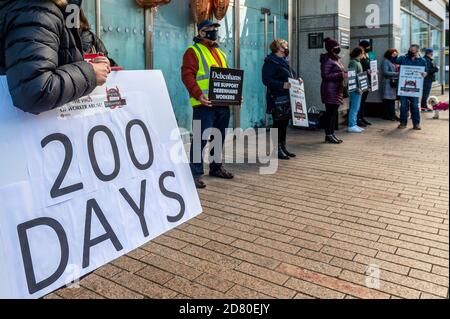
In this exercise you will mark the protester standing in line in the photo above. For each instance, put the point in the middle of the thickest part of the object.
(39, 54)
(432, 69)
(365, 62)
(332, 87)
(198, 60)
(389, 84)
(275, 75)
(412, 58)
(356, 96)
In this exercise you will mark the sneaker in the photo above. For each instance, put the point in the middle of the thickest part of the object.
(355, 129)
(402, 126)
(426, 110)
(361, 124)
(331, 139)
(361, 128)
(366, 122)
(417, 128)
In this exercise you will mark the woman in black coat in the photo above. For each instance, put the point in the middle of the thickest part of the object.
(42, 58)
(275, 74)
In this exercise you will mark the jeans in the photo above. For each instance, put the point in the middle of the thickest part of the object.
(210, 117)
(355, 104)
(330, 118)
(427, 84)
(406, 103)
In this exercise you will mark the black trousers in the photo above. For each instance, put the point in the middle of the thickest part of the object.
(389, 109)
(362, 109)
(282, 130)
(330, 119)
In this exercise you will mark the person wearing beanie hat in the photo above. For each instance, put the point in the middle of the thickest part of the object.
(332, 87)
(432, 69)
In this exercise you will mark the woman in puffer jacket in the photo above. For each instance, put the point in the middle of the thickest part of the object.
(42, 57)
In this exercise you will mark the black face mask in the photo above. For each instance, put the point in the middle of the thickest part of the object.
(286, 52)
(211, 35)
(337, 51)
(411, 54)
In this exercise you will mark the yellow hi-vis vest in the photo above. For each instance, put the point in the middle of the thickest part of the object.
(205, 62)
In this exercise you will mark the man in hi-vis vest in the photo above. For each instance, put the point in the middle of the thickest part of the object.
(197, 63)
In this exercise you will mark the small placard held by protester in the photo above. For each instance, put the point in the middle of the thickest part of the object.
(298, 103)
(363, 81)
(225, 86)
(374, 82)
(352, 81)
(411, 81)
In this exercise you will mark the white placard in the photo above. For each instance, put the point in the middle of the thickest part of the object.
(374, 82)
(87, 183)
(298, 103)
(411, 81)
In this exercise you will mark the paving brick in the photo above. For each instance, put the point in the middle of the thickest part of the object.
(256, 259)
(143, 286)
(406, 261)
(108, 288)
(313, 289)
(192, 289)
(155, 274)
(239, 292)
(171, 266)
(214, 282)
(263, 273)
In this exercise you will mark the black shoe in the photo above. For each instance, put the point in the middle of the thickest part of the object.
(360, 123)
(396, 119)
(417, 128)
(337, 139)
(366, 122)
(285, 151)
(330, 139)
(199, 184)
(402, 126)
(281, 154)
(221, 173)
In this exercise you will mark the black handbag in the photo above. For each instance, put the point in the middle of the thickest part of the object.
(282, 109)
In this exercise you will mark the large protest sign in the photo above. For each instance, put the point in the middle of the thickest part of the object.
(89, 182)
(225, 86)
(298, 103)
(374, 81)
(411, 81)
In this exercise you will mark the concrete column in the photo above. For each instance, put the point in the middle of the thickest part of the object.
(378, 20)
(330, 17)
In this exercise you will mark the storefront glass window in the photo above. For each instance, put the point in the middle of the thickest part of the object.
(406, 4)
(405, 31)
(435, 43)
(419, 33)
(420, 12)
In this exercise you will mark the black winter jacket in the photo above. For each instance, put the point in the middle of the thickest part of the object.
(41, 57)
(276, 71)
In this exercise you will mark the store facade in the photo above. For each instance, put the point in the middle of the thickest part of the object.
(156, 38)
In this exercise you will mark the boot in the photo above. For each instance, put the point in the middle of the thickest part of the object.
(281, 154)
(285, 151)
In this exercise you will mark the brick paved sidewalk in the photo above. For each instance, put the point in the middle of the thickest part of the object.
(311, 231)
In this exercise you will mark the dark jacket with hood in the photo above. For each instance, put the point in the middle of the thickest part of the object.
(332, 87)
(41, 57)
(431, 69)
(276, 71)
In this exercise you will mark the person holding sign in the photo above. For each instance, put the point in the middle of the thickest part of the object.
(389, 84)
(198, 60)
(408, 101)
(41, 54)
(356, 96)
(275, 74)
